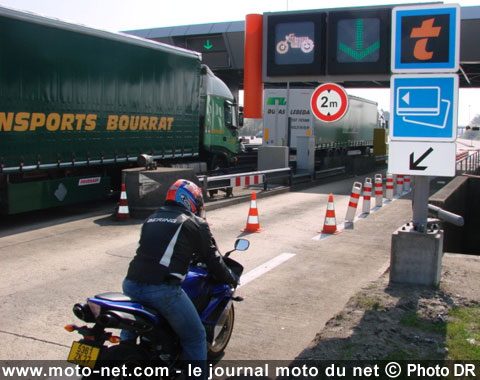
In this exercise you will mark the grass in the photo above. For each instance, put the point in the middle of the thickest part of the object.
(463, 327)
(368, 303)
(461, 331)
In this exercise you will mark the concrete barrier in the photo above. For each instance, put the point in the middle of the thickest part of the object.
(147, 189)
(460, 196)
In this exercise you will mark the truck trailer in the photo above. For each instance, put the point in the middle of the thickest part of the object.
(353, 131)
(78, 105)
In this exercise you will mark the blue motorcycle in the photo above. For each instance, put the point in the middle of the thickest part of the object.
(157, 343)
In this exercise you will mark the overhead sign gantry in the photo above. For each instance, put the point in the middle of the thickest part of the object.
(326, 45)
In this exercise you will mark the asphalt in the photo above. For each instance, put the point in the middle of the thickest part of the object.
(333, 269)
(327, 270)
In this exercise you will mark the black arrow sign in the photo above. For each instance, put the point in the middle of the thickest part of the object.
(414, 164)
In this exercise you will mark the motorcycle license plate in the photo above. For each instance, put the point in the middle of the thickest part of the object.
(83, 354)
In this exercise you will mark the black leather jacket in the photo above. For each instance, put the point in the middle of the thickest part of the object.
(169, 239)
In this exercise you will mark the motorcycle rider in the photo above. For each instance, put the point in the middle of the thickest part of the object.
(169, 238)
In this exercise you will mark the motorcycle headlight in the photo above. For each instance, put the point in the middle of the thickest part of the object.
(95, 309)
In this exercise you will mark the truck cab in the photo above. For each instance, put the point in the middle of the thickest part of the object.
(220, 118)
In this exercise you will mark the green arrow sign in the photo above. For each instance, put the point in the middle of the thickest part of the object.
(208, 45)
(357, 52)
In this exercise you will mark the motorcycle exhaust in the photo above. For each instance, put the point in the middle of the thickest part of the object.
(82, 311)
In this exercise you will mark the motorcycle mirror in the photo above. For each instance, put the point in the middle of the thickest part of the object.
(242, 244)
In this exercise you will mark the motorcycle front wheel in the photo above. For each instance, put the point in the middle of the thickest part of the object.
(215, 350)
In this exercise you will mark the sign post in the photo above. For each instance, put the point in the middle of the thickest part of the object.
(424, 101)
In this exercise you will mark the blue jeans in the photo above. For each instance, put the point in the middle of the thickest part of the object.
(174, 304)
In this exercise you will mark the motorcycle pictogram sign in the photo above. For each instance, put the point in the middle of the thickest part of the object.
(305, 44)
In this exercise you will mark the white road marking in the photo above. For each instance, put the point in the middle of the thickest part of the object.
(264, 268)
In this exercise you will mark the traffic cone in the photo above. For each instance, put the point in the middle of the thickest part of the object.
(123, 212)
(253, 223)
(330, 223)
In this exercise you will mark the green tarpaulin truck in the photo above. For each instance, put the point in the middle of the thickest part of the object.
(77, 105)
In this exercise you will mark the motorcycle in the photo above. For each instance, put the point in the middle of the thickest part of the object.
(156, 341)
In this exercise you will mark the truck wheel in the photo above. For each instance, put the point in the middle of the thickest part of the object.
(219, 162)
(215, 350)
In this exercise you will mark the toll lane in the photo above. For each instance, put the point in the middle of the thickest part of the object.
(45, 271)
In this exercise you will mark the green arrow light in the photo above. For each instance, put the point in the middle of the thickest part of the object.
(358, 53)
(208, 45)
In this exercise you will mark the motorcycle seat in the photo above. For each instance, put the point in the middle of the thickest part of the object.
(115, 297)
(120, 298)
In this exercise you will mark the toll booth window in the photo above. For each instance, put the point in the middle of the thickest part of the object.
(296, 44)
(359, 42)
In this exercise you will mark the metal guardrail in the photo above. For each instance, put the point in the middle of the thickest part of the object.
(224, 181)
(469, 163)
(381, 158)
(227, 182)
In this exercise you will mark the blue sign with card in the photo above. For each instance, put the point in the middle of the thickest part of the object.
(424, 107)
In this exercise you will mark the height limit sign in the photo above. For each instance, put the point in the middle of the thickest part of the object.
(329, 102)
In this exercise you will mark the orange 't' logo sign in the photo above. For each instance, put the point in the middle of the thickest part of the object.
(424, 32)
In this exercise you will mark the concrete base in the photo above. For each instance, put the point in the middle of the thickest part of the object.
(416, 258)
(147, 189)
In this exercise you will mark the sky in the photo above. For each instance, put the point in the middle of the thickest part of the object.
(121, 15)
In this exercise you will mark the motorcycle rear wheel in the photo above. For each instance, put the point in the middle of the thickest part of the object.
(216, 349)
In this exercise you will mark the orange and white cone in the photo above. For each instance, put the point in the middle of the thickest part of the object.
(367, 195)
(123, 212)
(399, 184)
(378, 190)
(253, 223)
(389, 187)
(352, 205)
(406, 183)
(330, 223)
